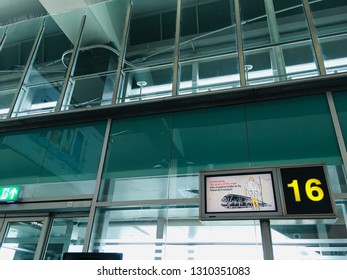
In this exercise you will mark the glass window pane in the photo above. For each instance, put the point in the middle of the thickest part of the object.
(340, 101)
(297, 130)
(206, 139)
(137, 232)
(53, 162)
(93, 78)
(20, 241)
(24, 160)
(271, 29)
(137, 164)
(66, 235)
(72, 159)
(315, 240)
(236, 240)
(44, 82)
(156, 232)
(330, 22)
(208, 54)
(14, 54)
(148, 69)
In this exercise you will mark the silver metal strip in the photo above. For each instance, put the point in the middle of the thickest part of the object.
(3, 38)
(314, 37)
(337, 128)
(72, 64)
(43, 239)
(122, 54)
(27, 67)
(240, 43)
(266, 239)
(97, 186)
(176, 70)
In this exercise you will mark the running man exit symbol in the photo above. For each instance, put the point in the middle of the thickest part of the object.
(10, 194)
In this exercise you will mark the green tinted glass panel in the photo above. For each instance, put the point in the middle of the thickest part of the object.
(139, 147)
(296, 130)
(73, 152)
(340, 99)
(21, 157)
(210, 138)
(60, 161)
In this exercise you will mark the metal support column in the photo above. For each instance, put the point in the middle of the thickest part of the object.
(266, 239)
(29, 64)
(240, 43)
(97, 186)
(176, 70)
(122, 53)
(277, 56)
(72, 64)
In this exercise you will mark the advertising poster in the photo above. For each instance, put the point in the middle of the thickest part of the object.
(251, 192)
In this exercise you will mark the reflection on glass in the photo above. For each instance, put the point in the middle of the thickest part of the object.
(208, 46)
(58, 162)
(43, 84)
(330, 23)
(156, 232)
(148, 71)
(271, 30)
(318, 240)
(133, 232)
(191, 240)
(20, 241)
(17, 44)
(137, 163)
(67, 235)
(93, 77)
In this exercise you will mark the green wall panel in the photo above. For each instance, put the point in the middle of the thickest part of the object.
(139, 147)
(340, 99)
(291, 131)
(209, 139)
(49, 155)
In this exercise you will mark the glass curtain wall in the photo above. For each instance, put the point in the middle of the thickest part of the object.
(52, 162)
(148, 67)
(276, 41)
(16, 46)
(208, 48)
(44, 81)
(331, 27)
(150, 180)
(93, 75)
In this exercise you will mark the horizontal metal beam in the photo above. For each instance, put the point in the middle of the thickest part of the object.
(278, 90)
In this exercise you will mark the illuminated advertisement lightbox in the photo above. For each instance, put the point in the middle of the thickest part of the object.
(241, 194)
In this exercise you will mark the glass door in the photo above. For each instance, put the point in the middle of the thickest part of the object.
(66, 234)
(22, 238)
(42, 237)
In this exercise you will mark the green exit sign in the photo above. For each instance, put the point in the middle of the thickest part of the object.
(10, 193)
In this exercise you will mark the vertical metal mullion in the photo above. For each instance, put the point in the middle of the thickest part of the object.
(122, 53)
(97, 186)
(40, 243)
(176, 70)
(337, 128)
(3, 38)
(27, 67)
(72, 64)
(44, 243)
(322, 70)
(266, 239)
(277, 56)
(240, 43)
(314, 37)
